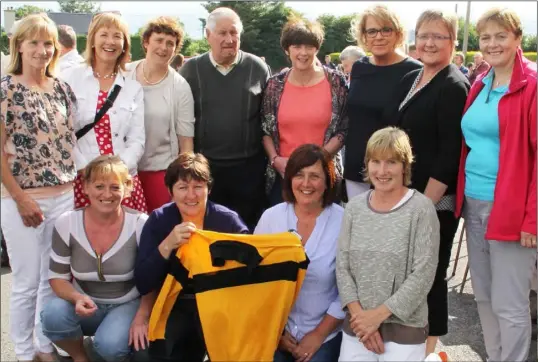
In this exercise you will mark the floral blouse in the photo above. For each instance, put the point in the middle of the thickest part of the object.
(337, 126)
(39, 132)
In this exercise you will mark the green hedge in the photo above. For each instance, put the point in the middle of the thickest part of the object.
(136, 46)
(470, 56)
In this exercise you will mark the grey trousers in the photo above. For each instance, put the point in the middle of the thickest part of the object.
(501, 275)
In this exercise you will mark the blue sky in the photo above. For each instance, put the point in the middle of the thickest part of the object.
(137, 13)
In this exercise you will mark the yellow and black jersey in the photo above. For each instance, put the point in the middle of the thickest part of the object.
(245, 287)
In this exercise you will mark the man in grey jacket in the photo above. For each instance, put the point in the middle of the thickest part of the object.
(227, 86)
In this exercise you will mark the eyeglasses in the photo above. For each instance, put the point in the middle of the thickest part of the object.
(435, 37)
(385, 32)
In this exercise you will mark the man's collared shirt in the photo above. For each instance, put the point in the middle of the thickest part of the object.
(222, 69)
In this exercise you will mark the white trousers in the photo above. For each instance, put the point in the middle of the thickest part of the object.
(29, 249)
(354, 188)
(354, 351)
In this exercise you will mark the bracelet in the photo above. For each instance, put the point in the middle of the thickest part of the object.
(273, 160)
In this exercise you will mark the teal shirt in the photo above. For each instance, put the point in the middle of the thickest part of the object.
(480, 126)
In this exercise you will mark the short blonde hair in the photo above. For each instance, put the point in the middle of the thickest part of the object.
(163, 24)
(108, 165)
(506, 18)
(390, 142)
(32, 27)
(448, 19)
(106, 20)
(385, 16)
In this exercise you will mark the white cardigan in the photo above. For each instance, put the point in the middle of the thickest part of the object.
(126, 117)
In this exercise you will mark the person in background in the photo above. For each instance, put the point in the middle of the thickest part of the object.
(121, 129)
(497, 186)
(69, 56)
(6, 58)
(412, 52)
(328, 62)
(177, 62)
(95, 292)
(386, 258)
(168, 107)
(373, 80)
(480, 66)
(459, 60)
(305, 104)
(313, 329)
(189, 181)
(428, 106)
(227, 86)
(37, 171)
(470, 66)
(348, 57)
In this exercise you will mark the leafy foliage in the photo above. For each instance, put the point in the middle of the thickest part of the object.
(337, 35)
(78, 6)
(25, 10)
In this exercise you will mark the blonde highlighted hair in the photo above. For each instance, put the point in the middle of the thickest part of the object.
(390, 143)
(33, 27)
(448, 19)
(383, 15)
(106, 166)
(506, 18)
(108, 20)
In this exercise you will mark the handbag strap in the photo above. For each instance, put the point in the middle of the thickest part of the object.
(109, 102)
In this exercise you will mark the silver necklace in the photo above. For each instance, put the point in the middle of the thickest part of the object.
(146, 79)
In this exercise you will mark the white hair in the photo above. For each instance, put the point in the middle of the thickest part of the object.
(352, 52)
(220, 13)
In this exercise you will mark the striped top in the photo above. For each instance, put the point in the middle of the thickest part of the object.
(72, 256)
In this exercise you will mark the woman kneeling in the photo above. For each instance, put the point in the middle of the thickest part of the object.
(91, 269)
(387, 257)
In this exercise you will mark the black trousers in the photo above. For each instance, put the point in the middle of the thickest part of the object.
(184, 339)
(438, 296)
(241, 187)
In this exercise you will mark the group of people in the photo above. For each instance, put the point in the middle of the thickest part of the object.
(89, 152)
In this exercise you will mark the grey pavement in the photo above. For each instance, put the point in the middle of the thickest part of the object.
(463, 342)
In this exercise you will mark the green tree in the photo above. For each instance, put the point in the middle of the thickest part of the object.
(528, 43)
(337, 35)
(25, 10)
(472, 43)
(194, 47)
(78, 6)
(262, 23)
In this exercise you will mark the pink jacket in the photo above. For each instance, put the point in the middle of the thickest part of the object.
(514, 201)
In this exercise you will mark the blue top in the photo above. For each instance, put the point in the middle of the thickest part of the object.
(151, 268)
(319, 293)
(464, 70)
(480, 126)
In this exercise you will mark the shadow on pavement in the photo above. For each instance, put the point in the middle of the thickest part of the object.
(463, 325)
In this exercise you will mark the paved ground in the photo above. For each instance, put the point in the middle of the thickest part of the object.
(463, 343)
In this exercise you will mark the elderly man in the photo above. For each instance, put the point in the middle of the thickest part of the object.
(69, 55)
(348, 57)
(227, 86)
(480, 66)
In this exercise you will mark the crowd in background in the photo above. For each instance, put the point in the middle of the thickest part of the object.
(109, 166)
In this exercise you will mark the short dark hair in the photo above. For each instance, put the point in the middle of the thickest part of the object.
(298, 31)
(188, 166)
(163, 24)
(304, 156)
(177, 61)
(67, 36)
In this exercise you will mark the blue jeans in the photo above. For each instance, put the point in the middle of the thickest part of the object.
(109, 325)
(328, 352)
